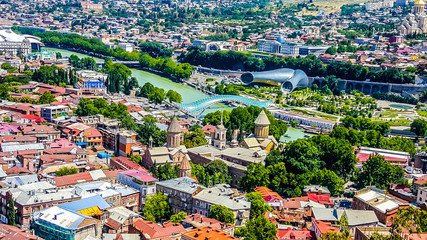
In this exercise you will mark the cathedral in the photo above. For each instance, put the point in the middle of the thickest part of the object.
(416, 22)
(173, 153)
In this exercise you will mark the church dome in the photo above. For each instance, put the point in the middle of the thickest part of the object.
(174, 127)
(420, 2)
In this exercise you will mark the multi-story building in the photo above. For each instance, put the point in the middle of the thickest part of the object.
(278, 45)
(91, 81)
(30, 198)
(116, 137)
(422, 195)
(14, 44)
(80, 133)
(222, 194)
(384, 206)
(139, 180)
(51, 112)
(303, 119)
(59, 223)
(41, 132)
(180, 192)
(398, 158)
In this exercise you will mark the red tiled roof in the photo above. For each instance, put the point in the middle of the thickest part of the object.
(72, 179)
(324, 227)
(18, 138)
(17, 169)
(8, 232)
(421, 180)
(293, 234)
(34, 118)
(294, 203)
(113, 224)
(111, 173)
(320, 199)
(208, 129)
(155, 231)
(63, 157)
(126, 164)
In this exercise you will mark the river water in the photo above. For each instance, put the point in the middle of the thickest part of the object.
(188, 93)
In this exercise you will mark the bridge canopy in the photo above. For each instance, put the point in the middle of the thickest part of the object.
(198, 107)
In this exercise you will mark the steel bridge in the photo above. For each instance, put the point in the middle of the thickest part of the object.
(196, 108)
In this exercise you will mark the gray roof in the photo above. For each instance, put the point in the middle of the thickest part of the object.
(183, 184)
(174, 127)
(222, 194)
(21, 180)
(262, 119)
(316, 188)
(354, 217)
(243, 154)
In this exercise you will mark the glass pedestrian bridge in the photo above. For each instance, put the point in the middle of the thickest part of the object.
(196, 108)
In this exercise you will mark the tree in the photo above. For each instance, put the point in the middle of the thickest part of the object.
(177, 218)
(329, 179)
(156, 207)
(195, 138)
(66, 171)
(4, 92)
(331, 50)
(46, 98)
(157, 95)
(11, 212)
(136, 158)
(412, 219)
(302, 156)
(260, 228)
(378, 172)
(146, 90)
(221, 213)
(258, 205)
(256, 175)
(174, 96)
(58, 55)
(419, 127)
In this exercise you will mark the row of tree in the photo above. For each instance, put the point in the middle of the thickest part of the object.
(167, 66)
(158, 95)
(311, 65)
(242, 119)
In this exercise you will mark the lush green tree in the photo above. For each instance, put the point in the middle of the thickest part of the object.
(11, 212)
(157, 95)
(66, 171)
(46, 98)
(275, 156)
(378, 172)
(256, 175)
(195, 138)
(412, 219)
(177, 218)
(4, 92)
(328, 179)
(331, 50)
(165, 172)
(258, 205)
(221, 213)
(149, 129)
(156, 207)
(302, 156)
(260, 228)
(136, 158)
(146, 90)
(155, 49)
(174, 96)
(419, 127)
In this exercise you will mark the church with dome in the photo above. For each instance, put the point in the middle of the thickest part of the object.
(415, 22)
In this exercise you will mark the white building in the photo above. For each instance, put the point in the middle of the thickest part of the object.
(13, 44)
(280, 45)
(422, 195)
(303, 119)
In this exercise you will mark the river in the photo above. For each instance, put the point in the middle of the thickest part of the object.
(188, 93)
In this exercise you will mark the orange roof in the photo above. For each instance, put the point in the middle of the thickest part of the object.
(266, 192)
(207, 233)
(155, 231)
(324, 227)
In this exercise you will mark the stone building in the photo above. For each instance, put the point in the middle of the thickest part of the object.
(415, 22)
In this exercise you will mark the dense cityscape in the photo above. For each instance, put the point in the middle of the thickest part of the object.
(213, 120)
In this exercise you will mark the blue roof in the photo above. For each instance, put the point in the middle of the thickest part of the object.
(81, 143)
(281, 39)
(85, 203)
(103, 155)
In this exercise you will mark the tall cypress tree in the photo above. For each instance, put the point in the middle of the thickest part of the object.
(11, 212)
